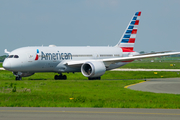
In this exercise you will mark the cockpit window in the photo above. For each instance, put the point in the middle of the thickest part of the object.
(11, 56)
(16, 56)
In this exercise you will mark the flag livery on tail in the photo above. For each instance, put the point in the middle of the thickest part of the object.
(128, 38)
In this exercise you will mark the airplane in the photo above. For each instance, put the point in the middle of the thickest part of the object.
(92, 62)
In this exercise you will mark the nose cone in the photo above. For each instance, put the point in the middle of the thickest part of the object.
(7, 65)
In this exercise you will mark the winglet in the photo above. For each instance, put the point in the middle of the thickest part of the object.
(6, 51)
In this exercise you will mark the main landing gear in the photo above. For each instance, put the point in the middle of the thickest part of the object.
(60, 77)
(18, 78)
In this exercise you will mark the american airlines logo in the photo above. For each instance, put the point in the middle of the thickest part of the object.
(53, 56)
(56, 56)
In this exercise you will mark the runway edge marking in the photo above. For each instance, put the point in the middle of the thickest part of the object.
(133, 84)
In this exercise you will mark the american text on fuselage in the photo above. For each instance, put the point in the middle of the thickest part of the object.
(55, 56)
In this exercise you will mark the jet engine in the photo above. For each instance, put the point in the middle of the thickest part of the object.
(93, 69)
(20, 74)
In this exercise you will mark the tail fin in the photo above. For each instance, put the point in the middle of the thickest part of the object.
(128, 38)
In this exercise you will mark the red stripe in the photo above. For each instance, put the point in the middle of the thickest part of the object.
(139, 14)
(131, 40)
(127, 49)
(36, 57)
(137, 22)
(134, 31)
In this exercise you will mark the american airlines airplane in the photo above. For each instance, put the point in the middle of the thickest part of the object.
(92, 62)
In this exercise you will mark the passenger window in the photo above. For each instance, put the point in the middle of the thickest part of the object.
(16, 56)
(11, 56)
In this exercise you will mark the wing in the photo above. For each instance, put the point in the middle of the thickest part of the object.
(113, 60)
(109, 61)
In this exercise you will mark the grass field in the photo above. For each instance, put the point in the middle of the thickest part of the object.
(153, 65)
(81, 93)
(40, 90)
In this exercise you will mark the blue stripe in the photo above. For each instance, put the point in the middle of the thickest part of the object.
(124, 40)
(130, 27)
(132, 22)
(134, 18)
(126, 36)
(136, 13)
(128, 31)
(37, 50)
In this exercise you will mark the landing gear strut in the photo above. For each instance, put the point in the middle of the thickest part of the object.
(18, 78)
(60, 77)
(95, 78)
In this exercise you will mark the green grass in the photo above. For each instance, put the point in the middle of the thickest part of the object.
(153, 65)
(40, 90)
(104, 93)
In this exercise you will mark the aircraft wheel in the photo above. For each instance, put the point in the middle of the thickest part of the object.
(89, 78)
(64, 77)
(95, 78)
(60, 77)
(56, 77)
(18, 78)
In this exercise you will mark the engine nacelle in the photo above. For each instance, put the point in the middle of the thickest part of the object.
(93, 69)
(20, 74)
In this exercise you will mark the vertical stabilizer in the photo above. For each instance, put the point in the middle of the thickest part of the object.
(128, 38)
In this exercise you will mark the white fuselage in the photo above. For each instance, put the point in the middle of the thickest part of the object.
(52, 59)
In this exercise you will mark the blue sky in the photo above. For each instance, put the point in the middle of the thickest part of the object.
(88, 23)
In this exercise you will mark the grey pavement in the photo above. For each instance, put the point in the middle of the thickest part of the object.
(46, 113)
(161, 85)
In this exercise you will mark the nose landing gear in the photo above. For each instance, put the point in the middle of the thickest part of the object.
(60, 77)
(18, 78)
